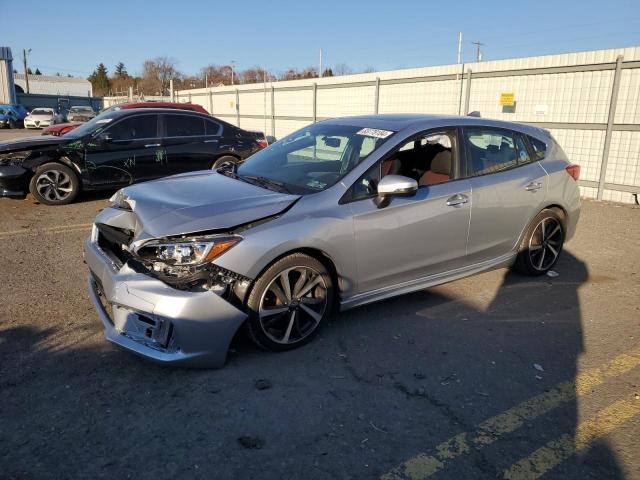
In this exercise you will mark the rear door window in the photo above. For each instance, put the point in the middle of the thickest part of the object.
(212, 128)
(492, 150)
(184, 126)
(133, 128)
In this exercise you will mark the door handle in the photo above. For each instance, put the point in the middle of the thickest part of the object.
(151, 145)
(457, 200)
(533, 187)
(214, 140)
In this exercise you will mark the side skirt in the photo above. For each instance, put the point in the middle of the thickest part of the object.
(426, 282)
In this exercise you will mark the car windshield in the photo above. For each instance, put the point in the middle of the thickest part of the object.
(312, 159)
(80, 109)
(41, 111)
(95, 125)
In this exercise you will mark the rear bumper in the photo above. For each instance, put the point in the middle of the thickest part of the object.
(13, 181)
(147, 317)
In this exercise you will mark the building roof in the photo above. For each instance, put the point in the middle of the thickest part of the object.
(51, 78)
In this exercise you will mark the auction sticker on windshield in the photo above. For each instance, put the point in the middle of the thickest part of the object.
(374, 132)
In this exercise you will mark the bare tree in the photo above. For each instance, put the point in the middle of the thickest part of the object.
(157, 74)
(342, 69)
(216, 74)
(295, 74)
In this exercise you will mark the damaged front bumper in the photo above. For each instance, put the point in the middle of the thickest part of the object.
(148, 317)
(13, 181)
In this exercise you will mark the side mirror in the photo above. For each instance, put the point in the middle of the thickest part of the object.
(394, 186)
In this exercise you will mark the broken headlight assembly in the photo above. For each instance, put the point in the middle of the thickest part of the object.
(14, 158)
(186, 262)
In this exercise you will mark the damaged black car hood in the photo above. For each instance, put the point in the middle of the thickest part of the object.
(199, 202)
(31, 143)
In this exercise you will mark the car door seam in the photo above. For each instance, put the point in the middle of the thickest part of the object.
(466, 248)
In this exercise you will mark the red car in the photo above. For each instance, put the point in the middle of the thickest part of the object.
(62, 128)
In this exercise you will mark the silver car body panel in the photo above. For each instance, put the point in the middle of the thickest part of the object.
(413, 243)
(199, 202)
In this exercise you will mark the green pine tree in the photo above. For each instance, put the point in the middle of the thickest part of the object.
(100, 80)
(121, 70)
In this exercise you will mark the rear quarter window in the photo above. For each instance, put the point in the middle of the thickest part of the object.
(539, 148)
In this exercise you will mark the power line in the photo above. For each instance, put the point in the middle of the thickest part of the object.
(478, 52)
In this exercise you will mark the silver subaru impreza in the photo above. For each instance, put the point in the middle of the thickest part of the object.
(338, 214)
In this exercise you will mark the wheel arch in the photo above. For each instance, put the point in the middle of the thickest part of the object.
(552, 206)
(316, 253)
(562, 212)
(218, 157)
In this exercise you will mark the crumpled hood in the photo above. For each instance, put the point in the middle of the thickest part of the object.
(31, 143)
(198, 202)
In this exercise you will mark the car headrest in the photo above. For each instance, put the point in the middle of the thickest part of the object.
(441, 163)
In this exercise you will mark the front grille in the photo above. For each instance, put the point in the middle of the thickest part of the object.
(115, 241)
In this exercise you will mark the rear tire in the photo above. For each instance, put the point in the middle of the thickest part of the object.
(541, 245)
(289, 303)
(227, 158)
(54, 184)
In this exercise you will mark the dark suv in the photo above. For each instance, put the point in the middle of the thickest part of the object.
(120, 148)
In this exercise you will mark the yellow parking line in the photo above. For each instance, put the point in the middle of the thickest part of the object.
(558, 450)
(37, 231)
(424, 465)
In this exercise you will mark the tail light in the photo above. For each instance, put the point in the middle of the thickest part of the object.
(574, 171)
(262, 143)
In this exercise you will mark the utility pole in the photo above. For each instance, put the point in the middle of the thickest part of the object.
(26, 52)
(459, 46)
(233, 64)
(478, 53)
(320, 70)
(206, 80)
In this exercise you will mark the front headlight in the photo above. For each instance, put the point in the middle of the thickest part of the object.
(185, 252)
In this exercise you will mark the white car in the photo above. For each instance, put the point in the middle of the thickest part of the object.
(42, 117)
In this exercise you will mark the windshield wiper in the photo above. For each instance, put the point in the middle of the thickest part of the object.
(266, 182)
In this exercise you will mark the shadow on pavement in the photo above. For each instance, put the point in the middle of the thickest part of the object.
(380, 384)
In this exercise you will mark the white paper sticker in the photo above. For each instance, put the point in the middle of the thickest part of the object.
(374, 132)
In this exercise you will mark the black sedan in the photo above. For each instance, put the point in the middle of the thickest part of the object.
(119, 148)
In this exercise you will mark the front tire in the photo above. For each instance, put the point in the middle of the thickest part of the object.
(225, 159)
(289, 303)
(54, 184)
(541, 245)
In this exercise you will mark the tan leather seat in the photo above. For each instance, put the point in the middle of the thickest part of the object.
(440, 169)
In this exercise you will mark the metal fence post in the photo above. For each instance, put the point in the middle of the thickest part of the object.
(189, 97)
(210, 102)
(612, 116)
(376, 104)
(461, 77)
(467, 95)
(273, 111)
(315, 102)
(238, 107)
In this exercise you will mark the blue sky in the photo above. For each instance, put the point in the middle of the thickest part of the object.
(74, 36)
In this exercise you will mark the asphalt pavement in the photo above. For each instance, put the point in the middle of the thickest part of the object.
(493, 376)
